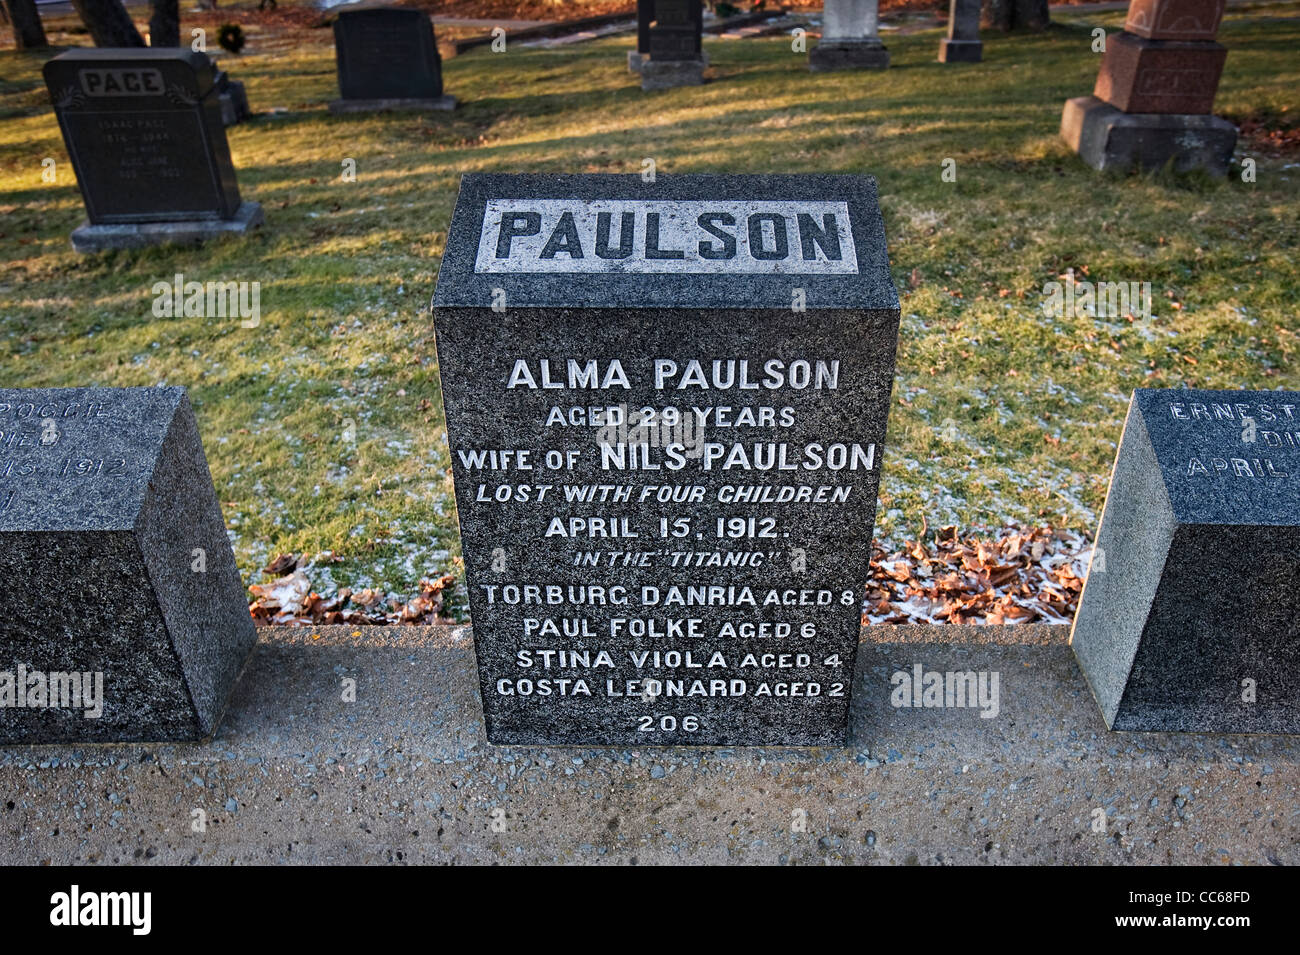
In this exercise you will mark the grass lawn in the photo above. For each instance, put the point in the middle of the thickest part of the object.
(323, 425)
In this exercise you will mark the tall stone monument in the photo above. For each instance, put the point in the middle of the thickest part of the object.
(850, 38)
(387, 59)
(665, 408)
(962, 44)
(675, 52)
(144, 131)
(1190, 616)
(1155, 89)
(125, 617)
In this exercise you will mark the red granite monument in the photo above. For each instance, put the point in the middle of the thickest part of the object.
(1155, 92)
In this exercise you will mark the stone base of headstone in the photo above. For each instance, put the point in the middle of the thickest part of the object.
(139, 235)
(634, 61)
(960, 51)
(848, 55)
(342, 106)
(665, 74)
(1108, 139)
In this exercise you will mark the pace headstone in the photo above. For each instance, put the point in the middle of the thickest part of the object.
(387, 59)
(675, 51)
(144, 131)
(962, 44)
(125, 618)
(1154, 93)
(1190, 616)
(665, 408)
(850, 38)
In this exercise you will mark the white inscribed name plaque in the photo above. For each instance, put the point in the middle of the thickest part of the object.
(667, 236)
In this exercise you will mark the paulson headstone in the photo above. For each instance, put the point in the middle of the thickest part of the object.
(962, 44)
(125, 618)
(675, 52)
(1190, 616)
(665, 408)
(1154, 93)
(145, 134)
(850, 38)
(387, 59)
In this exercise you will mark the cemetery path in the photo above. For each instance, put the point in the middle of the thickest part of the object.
(404, 775)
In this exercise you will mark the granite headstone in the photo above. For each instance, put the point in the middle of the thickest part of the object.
(675, 52)
(645, 14)
(1154, 92)
(125, 617)
(850, 38)
(144, 131)
(962, 44)
(665, 408)
(1190, 615)
(387, 59)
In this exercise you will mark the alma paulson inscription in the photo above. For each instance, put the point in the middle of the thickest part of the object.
(665, 405)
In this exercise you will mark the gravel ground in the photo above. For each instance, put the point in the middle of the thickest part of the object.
(404, 775)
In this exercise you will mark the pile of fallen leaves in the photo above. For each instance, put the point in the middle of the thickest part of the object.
(1023, 576)
(288, 600)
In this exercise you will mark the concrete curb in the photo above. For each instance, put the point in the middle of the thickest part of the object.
(404, 775)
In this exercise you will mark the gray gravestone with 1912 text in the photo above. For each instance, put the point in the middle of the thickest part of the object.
(144, 131)
(666, 406)
(387, 59)
(125, 616)
(1190, 616)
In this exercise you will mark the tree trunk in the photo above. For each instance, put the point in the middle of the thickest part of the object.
(1006, 15)
(28, 32)
(164, 23)
(108, 22)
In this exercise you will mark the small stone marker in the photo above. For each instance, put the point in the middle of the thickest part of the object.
(387, 60)
(144, 131)
(850, 38)
(125, 617)
(1154, 92)
(962, 44)
(675, 56)
(665, 407)
(1190, 616)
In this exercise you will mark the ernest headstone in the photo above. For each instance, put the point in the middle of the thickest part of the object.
(675, 52)
(1154, 93)
(144, 131)
(850, 38)
(962, 44)
(1190, 616)
(387, 59)
(665, 408)
(125, 617)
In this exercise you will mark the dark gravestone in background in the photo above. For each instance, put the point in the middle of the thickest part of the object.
(144, 131)
(563, 297)
(116, 562)
(387, 58)
(645, 14)
(675, 53)
(962, 44)
(1195, 586)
